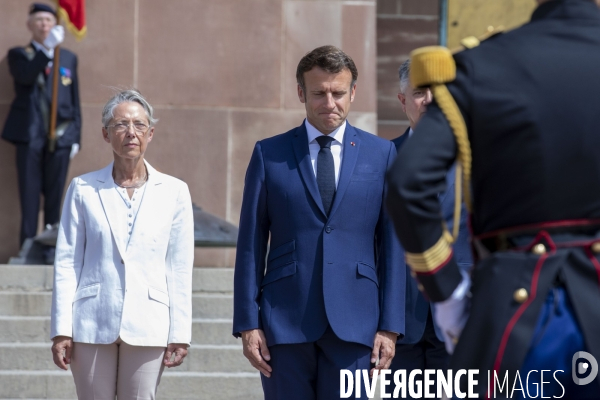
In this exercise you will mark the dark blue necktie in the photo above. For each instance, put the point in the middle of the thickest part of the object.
(326, 172)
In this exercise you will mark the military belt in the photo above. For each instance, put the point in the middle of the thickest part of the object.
(539, 238)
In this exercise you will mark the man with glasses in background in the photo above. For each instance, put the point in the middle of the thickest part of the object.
(42, 170)
(422, 346)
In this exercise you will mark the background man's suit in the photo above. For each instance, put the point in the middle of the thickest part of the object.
(343, 272)
(422, 345)
(40, 171)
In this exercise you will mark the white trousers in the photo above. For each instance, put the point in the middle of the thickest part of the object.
(102, 371)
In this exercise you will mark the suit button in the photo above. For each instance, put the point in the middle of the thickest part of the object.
(122, 261)
(521, 295)
(328, 229)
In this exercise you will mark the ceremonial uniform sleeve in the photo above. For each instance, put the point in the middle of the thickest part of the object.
(415, 180)
(392, 271)
(251, 248)
(24, 70)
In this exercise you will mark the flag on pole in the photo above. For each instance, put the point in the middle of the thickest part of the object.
(73, 13)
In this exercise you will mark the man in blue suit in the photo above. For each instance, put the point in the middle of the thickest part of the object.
(41, 171)
(422, 346)
(329, 294)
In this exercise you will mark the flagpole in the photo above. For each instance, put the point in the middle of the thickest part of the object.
(54, 103)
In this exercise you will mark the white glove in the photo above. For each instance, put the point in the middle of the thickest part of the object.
(55, 37)
(74, 150)
(451, 315)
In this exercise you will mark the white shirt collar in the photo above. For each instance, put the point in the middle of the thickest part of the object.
(38, 46)
(313, 133)
(410, 132)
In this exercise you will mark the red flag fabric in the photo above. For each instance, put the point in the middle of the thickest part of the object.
(73, 13)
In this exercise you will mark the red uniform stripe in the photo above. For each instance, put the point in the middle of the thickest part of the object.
(520, 311)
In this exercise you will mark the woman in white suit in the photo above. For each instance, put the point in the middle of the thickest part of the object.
(122, 300)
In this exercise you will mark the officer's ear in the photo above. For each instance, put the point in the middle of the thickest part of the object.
(402, 99)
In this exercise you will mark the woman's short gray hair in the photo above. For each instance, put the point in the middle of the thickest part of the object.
(127, 96)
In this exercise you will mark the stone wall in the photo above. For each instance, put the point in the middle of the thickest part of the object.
(402, 26)
(221, 75)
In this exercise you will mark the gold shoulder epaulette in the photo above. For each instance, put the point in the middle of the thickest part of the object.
(431, 65)
(470, 42)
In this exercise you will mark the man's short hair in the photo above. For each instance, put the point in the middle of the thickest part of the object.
(404, 74)
(328, 58)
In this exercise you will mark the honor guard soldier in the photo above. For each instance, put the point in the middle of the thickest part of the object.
(42, 170)
(518, 113)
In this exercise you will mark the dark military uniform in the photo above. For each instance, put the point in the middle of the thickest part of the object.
(529, 99)
(40, 171)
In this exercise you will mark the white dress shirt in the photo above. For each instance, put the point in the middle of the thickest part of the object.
(129, 209)
(336, 146)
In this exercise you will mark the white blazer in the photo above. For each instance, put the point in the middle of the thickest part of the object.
(105, 287)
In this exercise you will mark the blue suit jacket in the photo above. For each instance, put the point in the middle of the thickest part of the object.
(344, 270)
(417, 306)
(25, 123)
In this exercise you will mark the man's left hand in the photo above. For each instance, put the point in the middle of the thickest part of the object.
(384, 349)
(177, 349)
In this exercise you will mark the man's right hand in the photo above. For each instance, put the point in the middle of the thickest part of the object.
(256, 350)
(55, 37)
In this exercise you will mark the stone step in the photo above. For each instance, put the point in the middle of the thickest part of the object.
(18, 303)
(213, 331)
(37, 329)
(40, 278)
(56, 385)
(201, 358)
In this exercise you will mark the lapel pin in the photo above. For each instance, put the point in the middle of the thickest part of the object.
(352, 144)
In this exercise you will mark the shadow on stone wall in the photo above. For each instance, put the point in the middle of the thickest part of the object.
(9, 200)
